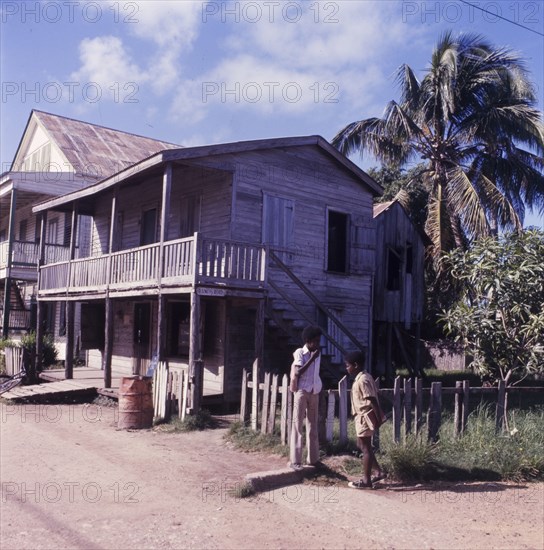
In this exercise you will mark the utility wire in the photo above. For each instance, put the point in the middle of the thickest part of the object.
(501, 17)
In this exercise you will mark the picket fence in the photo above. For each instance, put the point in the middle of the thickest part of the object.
(269, 405)
(170, 393)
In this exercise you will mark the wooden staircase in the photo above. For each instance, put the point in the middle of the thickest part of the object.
(19, 310)
(286, 319)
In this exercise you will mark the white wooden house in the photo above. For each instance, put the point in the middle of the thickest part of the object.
(56, 155)
(219, 254)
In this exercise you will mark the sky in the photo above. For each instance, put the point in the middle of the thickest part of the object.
(203, 72)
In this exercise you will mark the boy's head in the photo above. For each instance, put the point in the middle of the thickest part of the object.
(311, 336)
(355, 362)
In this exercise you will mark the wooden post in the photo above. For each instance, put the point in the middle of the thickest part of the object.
(108, 342)
(195, 378)
(419, 404)
(501, 407)
(458, 409)
(259, 332)
(161, 328)
(284, 400)
(69, 359)
(243, 398)
(397, 410)
(435, 411)
(266, 401)
(376, 436)
(7, 286)
(273, 402)
(407, 406)
(255, 395)
(322, 417)
(466, 395)
(330, 415)
(343, 409)
(70, 306)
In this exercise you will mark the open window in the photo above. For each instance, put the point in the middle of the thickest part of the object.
(394, 264)
(148, 234)
(337, 241)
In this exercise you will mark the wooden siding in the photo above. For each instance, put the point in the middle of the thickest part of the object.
(394, 230)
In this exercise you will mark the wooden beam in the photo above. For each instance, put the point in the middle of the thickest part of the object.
(108, 343)
(7, 287)
(70, 306)
(194, 353)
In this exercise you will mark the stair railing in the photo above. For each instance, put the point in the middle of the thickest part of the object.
(328, 313)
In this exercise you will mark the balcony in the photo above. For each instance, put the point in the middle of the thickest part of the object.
(186, 262)
(24, 258)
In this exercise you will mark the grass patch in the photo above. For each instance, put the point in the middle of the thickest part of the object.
(245, 439)
(203, 420)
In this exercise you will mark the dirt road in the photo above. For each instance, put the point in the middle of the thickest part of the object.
(70, 479)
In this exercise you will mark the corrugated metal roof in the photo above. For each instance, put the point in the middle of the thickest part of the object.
(96, 150)
(381, 207)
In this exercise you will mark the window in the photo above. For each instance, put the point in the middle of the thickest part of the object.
(338, 242)
(149, 227)
(409, 257)
(278, 221)
(52, 231)
(22, 230)
(394, 263)
(189, 215)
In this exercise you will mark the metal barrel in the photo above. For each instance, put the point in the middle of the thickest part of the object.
(135, 402)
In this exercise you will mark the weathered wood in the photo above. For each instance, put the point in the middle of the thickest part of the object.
(194, 352)
(435, 411)
(290, 402)
(255, 395)
(458, 409)
(466, 397)
(418, 412)
(407, 406)
(283, 417)
(186, 382)
(322, 417)
(330, 415)
(243, 398)
(108, 343)
(273, 404)
(397, 409)
(501, 407)
(259, 330)
(343, 410)
(266, 401)
(69, 354)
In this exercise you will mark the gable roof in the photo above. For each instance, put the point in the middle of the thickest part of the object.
(89, 148)
(239, 147)
(381, 207)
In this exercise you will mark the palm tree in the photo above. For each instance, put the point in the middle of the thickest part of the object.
(472, 119)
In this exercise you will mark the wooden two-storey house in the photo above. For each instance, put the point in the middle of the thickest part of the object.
(55, 155)
(217, 255)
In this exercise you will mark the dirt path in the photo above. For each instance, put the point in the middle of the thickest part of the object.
(70, 479)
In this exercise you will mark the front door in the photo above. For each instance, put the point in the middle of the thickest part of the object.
(142, 338)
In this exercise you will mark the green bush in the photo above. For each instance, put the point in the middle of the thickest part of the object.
(50, 352)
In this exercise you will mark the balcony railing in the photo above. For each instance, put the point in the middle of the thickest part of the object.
(191, 260)
(26, 254)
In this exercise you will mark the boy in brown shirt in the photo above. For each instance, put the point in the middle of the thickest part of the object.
(364, 398)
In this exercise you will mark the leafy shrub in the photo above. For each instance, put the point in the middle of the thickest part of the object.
(50, 352)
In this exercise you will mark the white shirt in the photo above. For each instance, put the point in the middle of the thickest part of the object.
(309, 380)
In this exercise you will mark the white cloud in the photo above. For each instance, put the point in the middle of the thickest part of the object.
(105, 61)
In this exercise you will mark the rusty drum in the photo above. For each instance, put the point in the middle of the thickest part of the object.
(135, 402)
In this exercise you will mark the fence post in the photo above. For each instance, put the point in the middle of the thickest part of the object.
(458, 409)
(330, 415)
(376, 436)
(466, 395)
(397, 412)
(266, 401)
(255, 395)
(435, 411)
(273, 401)
(283, 417)
(322, 417)
(407, 406)
(243, 398)
(501, 407)
(343, 409)
(419, 404)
